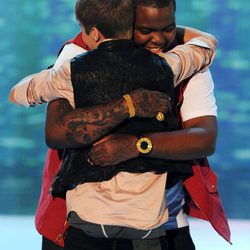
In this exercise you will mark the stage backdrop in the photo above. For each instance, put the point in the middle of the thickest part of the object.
(31, 34)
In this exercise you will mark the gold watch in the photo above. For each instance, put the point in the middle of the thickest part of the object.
(144, 145)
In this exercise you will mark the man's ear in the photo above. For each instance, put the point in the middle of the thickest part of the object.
(95, 34)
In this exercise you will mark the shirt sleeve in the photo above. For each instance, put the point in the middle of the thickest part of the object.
(51, 84)
(191, 57)
(38, 88)
(199, 99)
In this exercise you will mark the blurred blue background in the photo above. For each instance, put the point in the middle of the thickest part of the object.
(31, 35)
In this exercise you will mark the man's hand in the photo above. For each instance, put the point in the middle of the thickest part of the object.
(113, 149)
(148, 103)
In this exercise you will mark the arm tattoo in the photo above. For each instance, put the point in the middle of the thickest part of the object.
(84, 126)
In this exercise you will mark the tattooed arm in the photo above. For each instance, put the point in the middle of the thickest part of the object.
(68, 128)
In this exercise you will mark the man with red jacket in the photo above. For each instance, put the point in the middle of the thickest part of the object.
(156, 29)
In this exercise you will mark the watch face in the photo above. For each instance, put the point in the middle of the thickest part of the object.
(144, 145)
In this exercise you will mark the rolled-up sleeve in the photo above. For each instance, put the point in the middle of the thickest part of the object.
(51, 84)
(38, 88)
(18, 93)
(191, 57)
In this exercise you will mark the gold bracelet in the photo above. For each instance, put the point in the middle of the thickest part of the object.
(129, 102)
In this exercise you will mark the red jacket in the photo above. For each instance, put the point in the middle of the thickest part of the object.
(205, 202)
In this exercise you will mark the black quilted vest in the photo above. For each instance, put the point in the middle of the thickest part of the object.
(116, 68)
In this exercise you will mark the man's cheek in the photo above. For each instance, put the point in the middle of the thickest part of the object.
(140, 39)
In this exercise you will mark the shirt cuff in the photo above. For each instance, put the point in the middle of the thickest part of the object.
(209, 43)
(20, 97)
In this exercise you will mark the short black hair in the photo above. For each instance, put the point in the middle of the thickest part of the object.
(156, 3)
(113, 18)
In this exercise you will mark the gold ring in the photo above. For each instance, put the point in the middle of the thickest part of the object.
(160, 116)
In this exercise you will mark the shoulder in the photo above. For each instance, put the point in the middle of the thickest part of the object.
(200, 83)
(69, 51)
(199, 99)
(201, 77)
(72, 49)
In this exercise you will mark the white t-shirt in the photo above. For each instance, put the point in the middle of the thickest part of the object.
(199, 97)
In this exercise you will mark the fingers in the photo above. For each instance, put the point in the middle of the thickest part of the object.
(149, 102)
(97, 156)
(161, 95)
(161, 105)
(99, 160)
(158, 100)
(105, 138)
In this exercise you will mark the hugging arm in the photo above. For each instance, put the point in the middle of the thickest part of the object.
(46, 86)
(195, 55)
(184, 34)
(197, 138)
(68, 128)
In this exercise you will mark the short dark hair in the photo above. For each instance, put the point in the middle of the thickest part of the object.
(113, 18)
(156, 3)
